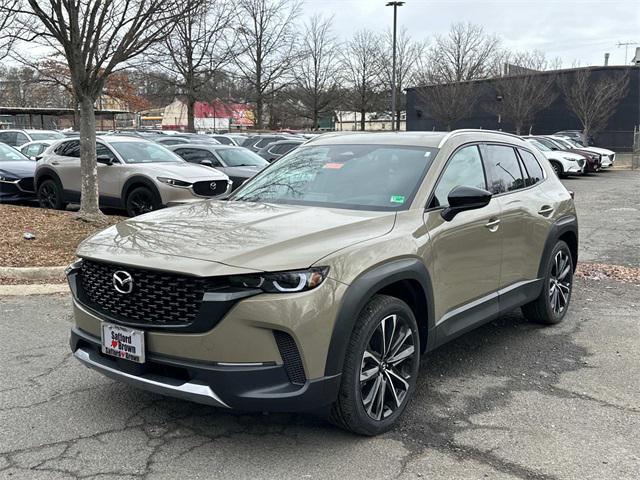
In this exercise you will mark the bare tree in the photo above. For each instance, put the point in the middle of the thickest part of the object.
(467, 53)
(317, 73)
(593, 100)
(408, 53)
(361, 65)
(200, 46)
(95, 38)
(267, 40)
(8, 10)
(524, 89)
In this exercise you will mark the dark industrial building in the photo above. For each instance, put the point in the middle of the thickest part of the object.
(618, 135)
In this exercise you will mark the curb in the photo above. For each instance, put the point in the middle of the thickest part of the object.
(32, 273)
(24, 290)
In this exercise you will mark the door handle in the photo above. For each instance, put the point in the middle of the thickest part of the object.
(493, 224)
(545, 210)
(55, 163)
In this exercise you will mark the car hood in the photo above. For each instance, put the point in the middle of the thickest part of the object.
(243, 172)
(243, 235)
(19, 169)
(602, 151)
(180, 171)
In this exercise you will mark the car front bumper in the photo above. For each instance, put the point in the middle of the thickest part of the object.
(240, 362)
(17, 190)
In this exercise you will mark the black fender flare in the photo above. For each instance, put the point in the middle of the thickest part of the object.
(138, 180)
(360, 292)
(566, 224)
(46, 172)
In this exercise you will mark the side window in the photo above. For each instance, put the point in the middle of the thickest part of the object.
(69, 149)
(503, 169)
(21, 138)
(463, 169)
(531, 165)
(210, 156)
(101, 150)
(10, 138)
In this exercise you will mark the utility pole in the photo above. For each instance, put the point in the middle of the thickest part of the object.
(626, 46)
(395, 6)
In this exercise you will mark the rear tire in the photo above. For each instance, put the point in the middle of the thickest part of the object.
(50, 195)
(378, 377)
(552, 304)
(141, 200)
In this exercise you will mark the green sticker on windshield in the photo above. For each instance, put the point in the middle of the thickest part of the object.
(397, 199)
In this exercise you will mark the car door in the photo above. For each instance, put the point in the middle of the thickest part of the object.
(110, 178)
(524, 229)
(466, 251)
(66, 162)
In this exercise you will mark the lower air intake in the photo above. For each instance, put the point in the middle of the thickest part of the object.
(291, 357)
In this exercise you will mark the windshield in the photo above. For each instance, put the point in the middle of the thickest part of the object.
(538, 144)
(144, 152)
(241, 157)
(361, 177)
(10, 154)
(46, 135)
(573, 143)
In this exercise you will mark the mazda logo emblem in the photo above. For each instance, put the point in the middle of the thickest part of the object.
(123, 281)
(213, 186)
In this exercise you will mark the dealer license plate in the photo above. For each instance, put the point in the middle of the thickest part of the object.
(123, 342)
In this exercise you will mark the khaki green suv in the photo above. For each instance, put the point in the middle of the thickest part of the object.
(319, 283)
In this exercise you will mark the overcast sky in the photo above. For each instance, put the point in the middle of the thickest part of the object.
(576, 31)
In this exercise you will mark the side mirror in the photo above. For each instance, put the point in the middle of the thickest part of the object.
(206, 163)
(104, 159)
(463, 198)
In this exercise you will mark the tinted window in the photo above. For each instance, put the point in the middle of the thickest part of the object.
(103, 151)
(10, 138)
(224, 140)
(69, 149)
(503, 169)
(172, 141)
(531, 165)
(463, 169)
(240, 157)
(332, 176)
(196, 155)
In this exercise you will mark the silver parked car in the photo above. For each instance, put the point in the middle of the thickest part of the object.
(17, 138)
(133, 174)
(238, 163)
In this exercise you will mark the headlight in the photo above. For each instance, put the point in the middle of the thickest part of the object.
(6, 178)
(173, 182)
(282, 282)
(570, 159)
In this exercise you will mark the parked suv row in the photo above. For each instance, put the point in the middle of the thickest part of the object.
(133, 174)
(320, 282)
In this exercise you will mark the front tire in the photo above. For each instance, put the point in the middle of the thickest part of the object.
(380, 368)
(141, 200)
(50, 195)
(558, 169)
(552, 304)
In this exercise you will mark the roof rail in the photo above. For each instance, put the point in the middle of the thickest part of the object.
(468, 130)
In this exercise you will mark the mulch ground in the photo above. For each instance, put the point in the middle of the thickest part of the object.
(57, 234)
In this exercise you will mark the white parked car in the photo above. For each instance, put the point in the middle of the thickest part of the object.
(133, 174)
(608, 156)
(16, 138)
(564, 163)
(33, 149)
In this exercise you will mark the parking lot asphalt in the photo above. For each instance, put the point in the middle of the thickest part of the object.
(608, 205)
(509, 400)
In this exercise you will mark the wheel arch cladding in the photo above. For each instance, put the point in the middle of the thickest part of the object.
(135, 182)
(406, 279)
(565, 229)
(46, 173)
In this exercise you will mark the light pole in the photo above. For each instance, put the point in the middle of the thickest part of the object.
(395, 6)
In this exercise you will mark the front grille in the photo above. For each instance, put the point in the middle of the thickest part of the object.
(157, 298)
(26, 184)
(210, 189)
(291, 357)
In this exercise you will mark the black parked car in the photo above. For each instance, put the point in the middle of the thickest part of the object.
(238, 163)
(16, 175)
(275, 150)
(257, 142)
